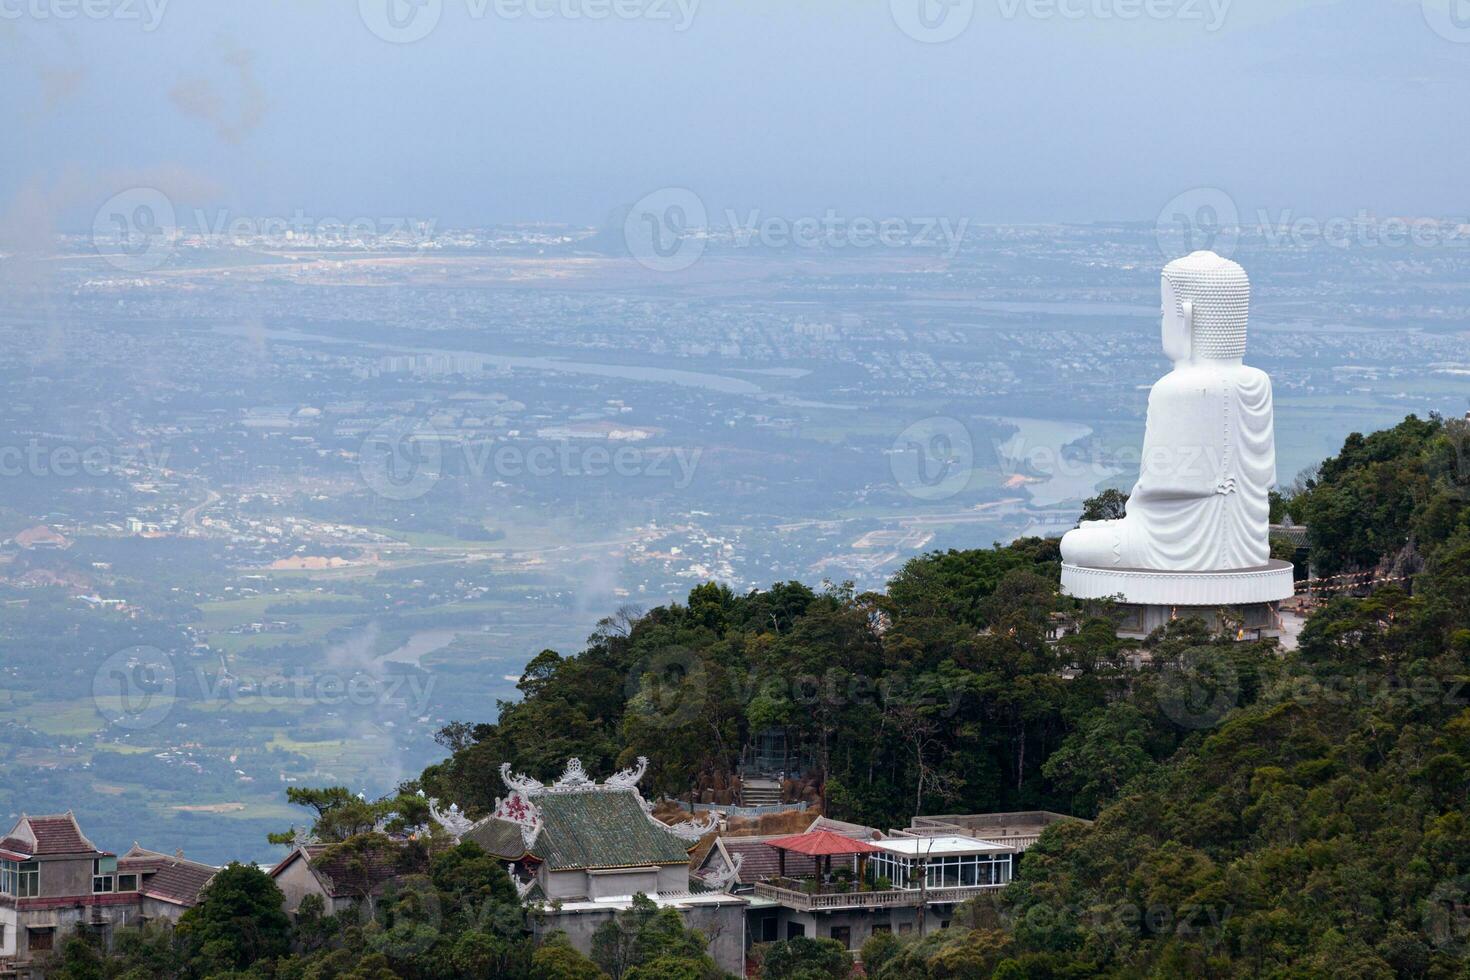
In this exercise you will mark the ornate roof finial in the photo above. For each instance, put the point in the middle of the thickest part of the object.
(574, 779)
(299, 838)
(452, 820)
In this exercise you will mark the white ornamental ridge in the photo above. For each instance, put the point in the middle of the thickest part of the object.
(518, 807)
(574, 779)
(519, 782)
(628, 778)
(523, 888)
(721, 880)
(690, 830)
(301, 838)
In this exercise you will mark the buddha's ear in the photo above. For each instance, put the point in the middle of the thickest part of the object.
(1188, 307)
(1178, 322)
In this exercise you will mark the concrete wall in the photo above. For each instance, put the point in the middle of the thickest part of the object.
(64, 877)
(7, 931)
(673, 878)
(154, 910)
(296, 882)
(564, 884)
(819, 925)
(608, 884)
(1140, 621)
(722, 925)
(64, 921)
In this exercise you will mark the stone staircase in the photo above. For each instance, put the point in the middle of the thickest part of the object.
(760, 792)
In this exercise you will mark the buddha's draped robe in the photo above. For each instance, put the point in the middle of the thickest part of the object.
(1209, 460)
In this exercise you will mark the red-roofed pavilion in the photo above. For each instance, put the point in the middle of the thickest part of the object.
(822, 844)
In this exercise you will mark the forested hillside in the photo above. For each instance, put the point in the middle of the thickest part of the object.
(1256, 812)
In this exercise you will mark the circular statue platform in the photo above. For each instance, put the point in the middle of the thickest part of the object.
(1271, 582)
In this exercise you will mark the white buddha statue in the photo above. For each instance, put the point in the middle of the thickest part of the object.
(1209, 449)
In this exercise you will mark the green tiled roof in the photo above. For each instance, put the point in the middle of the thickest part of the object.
(602, 830)
(499, 837)
(595, 829)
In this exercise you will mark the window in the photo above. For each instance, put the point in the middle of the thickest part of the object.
(843, 934)
(127, 883)
(768, 929)
(795, 930)
(38, 940)
(102, 880)
(881, 927)
(27, 882)
(904, 928)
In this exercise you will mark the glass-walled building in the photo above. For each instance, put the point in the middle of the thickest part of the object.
(911, 863)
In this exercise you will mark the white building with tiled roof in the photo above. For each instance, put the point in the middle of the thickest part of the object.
(54, 881)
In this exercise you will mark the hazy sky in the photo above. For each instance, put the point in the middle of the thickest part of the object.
(514, 110)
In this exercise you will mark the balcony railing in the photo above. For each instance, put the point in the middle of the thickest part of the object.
(803, 901)
(1019, 841)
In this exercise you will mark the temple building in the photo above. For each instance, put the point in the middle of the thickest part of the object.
(584, 849)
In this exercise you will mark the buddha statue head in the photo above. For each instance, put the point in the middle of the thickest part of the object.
(1206, 306)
